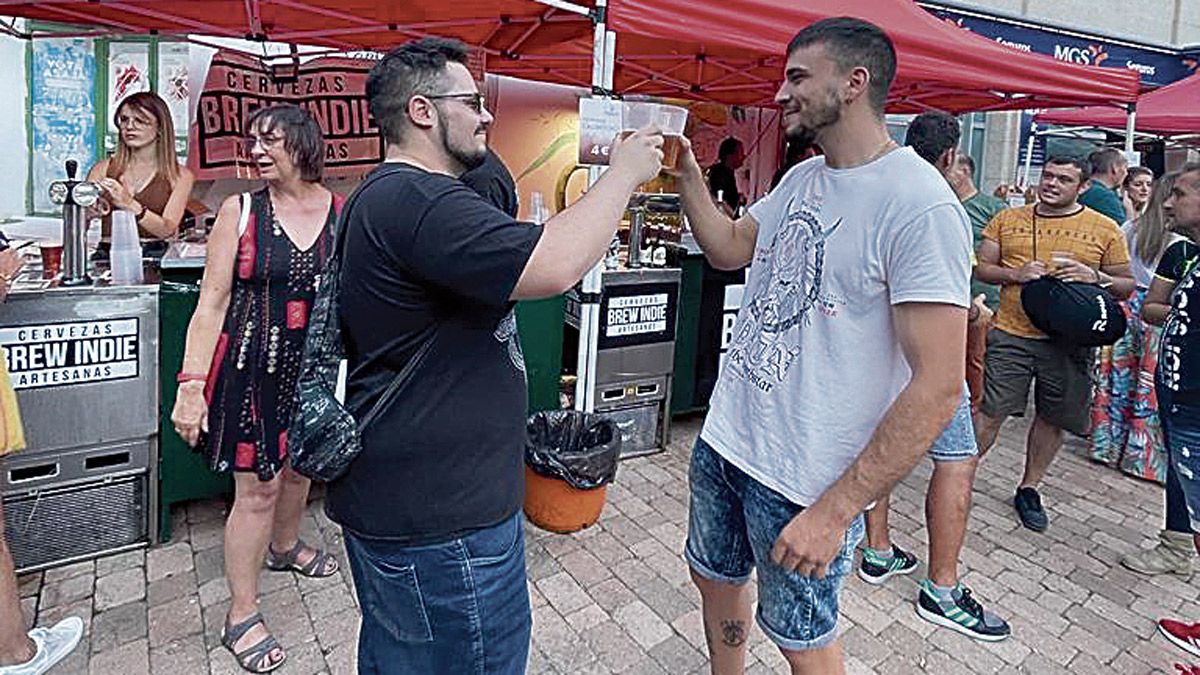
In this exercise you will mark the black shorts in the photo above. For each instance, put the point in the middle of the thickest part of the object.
(1061, 375)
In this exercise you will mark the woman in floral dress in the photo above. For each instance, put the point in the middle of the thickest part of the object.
(1125, 427)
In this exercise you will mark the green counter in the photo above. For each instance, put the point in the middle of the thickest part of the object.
(687, 329)
(183, 474)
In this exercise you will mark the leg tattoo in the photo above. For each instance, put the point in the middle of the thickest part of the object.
(733, 633)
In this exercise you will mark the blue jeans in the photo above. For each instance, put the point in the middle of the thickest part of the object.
(957, 441)
(1181, 435)
(457, 607)
(733, 523)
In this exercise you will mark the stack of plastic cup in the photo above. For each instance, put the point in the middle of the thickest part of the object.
(125, 259)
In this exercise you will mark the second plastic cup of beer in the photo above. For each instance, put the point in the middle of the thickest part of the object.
(672, 120)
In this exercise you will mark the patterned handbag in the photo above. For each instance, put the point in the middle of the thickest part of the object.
(323, 437)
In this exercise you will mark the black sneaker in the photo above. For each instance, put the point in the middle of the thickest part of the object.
(875, 570)
(963, 614)
(1029, 509)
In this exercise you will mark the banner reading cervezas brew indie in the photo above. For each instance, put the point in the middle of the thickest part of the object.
(331, 89)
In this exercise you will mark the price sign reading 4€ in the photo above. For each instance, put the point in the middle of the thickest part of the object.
(599, 124)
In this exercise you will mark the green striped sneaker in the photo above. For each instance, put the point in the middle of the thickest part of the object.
(875, 570)
(963, 614)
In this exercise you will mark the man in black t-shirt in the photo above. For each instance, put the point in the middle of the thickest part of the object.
(722, 180)
(431, 506)
(1177, 281)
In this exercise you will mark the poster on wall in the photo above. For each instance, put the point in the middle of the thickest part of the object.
(128, 73)
(62, 112)
(173, 86)
(599, 124)
(331, 89)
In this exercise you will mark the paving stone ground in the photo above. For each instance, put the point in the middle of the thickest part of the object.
(616, 597)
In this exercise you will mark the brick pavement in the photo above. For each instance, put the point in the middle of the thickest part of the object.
(616, 597)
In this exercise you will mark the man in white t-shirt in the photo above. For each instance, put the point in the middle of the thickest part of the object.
(847, 356)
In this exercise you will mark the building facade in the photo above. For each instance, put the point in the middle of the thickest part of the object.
(1159, 39)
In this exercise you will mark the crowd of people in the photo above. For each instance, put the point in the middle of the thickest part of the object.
(882, 321)
(908, 296)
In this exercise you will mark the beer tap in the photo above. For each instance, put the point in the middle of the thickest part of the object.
(75, 196)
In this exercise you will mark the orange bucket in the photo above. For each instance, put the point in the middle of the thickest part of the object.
(553, 505)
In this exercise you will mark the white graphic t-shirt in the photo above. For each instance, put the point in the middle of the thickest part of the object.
(814, 362)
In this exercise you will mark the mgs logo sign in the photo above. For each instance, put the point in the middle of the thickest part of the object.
(1091, 55)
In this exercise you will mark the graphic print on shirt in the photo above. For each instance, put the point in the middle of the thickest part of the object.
(767, 339)
(506, 332)
(1178, 324)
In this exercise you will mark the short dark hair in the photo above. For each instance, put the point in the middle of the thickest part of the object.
(1084, 166)
(1105, 159)
(851, 43)
(967, 161)
(302, 137)
(413, 68)
(933, 133)
(728, 147)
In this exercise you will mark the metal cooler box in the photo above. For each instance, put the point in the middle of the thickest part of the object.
(636, 353)
(84, 363)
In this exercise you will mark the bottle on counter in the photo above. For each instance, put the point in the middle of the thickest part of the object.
(538, 213)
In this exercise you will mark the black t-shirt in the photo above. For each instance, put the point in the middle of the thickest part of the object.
(426, 258)
(494, 182)
(1179, 353)
(722, 179)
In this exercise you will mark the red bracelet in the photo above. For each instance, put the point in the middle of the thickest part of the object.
(190, 377)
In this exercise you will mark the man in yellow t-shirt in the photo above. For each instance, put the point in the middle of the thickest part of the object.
(1060, 237)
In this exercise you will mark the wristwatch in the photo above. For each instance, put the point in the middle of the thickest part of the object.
(141, 214)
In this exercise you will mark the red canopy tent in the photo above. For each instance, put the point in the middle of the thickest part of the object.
(503, 29)
(1173, 110)
(738, 60)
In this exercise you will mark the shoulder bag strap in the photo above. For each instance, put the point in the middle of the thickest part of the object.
(1033, 214)
(401, 379)
(244, 217)
(418, 357)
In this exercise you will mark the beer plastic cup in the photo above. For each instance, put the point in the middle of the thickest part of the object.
(672, 120)
(51, 260)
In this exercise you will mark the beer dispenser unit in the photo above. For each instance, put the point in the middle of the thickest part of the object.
(75, 196)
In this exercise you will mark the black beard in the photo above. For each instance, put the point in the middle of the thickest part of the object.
(468, 160)
(826, 116)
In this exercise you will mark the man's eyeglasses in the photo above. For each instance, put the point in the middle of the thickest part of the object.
(474, 100)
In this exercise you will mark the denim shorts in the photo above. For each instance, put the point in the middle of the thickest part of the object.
(733, 523)
(1181, 434)
(457, 607)
(957, 441)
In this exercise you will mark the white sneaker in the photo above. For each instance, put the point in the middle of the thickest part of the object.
(53, 645)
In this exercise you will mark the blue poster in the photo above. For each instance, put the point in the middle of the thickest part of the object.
(1156, 65)
(63, 113)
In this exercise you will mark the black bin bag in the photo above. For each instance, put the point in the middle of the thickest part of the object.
(580, 448)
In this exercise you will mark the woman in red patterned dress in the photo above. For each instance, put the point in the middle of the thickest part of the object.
(238, 380)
